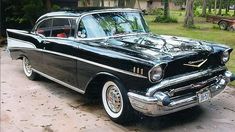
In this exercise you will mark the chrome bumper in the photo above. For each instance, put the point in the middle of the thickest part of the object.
(161, 103)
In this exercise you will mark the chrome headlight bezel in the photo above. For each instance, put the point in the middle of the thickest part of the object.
(225, 56)
(156, 73)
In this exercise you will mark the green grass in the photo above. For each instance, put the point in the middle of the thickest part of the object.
(203, 31)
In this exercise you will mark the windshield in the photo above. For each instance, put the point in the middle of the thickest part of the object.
(111, 24)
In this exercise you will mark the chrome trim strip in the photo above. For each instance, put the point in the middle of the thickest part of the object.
(181, 78)
(197, 85)
(60, 82)
(95, 63)
(116, 36)
(199, 65)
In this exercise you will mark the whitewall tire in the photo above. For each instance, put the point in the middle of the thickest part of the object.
(27, 67)
(116, 102)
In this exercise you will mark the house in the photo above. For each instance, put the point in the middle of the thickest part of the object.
(140, 4)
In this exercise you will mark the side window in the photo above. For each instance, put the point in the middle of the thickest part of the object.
(44, 28)
(63, 27)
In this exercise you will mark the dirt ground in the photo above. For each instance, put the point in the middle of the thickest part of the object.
(44, 106)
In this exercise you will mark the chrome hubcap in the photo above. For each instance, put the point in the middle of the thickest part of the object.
(27, 67)
(113, 98)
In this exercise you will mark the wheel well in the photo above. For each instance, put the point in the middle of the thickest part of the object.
(20, 58)
(94, 87)
(222, 21)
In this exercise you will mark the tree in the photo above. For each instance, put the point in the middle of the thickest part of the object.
(97, 3)
(209, 5)
(220, 7)
(32, 10)
(215, 8)
(234, 8)
(188, 21)
(166, 9)
(204, 8)
(121, 3)
(85, 3)
(181, 3)
(130, 3)
(227, 6)
(48, 4)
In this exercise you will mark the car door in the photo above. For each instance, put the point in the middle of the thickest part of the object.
(58, 56)
(41, 30)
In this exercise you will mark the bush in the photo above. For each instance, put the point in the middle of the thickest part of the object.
(197, 12)
(162, 19)
(157, 11)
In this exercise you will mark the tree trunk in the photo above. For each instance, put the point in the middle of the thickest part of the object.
(102, 3)
(139, 4)
(220, 7)
(188, 21)
(96, 3)
(227, 6)
(166, 9)
(209, 6)
(234, 9)
(215, 8)
(233, 12)
(121, 3)
(48, 5)
(130, 3)
(204, 8)
(1, 19)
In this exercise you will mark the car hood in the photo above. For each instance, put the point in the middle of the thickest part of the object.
(159, 48)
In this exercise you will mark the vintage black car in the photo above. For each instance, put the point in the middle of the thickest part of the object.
(112, 53)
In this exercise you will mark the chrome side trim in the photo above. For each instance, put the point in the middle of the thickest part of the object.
(60, 82)
(95, 63)
(181, 78)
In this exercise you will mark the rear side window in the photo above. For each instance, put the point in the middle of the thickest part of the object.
(44, 28)
(63, 27)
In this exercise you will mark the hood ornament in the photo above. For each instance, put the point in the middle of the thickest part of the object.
(197, 63)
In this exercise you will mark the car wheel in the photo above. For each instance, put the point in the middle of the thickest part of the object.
(116, 102)
(223, 25)
(231, 28)
(28, 69)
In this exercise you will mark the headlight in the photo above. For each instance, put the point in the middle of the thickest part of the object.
(225, 57)
(156, 74)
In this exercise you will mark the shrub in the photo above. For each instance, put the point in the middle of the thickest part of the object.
(157, 11)
(162, 19)
(197, 12)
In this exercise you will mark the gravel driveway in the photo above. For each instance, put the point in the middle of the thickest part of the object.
(44, 106)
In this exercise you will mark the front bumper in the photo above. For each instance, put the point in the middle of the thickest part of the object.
(161, 103)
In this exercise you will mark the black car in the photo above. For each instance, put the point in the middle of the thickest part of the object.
(112, 53)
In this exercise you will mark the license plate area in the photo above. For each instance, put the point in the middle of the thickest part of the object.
(203, 95)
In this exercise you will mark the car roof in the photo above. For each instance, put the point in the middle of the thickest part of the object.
(82, 10)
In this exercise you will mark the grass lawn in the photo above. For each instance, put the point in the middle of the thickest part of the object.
(203, 31)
